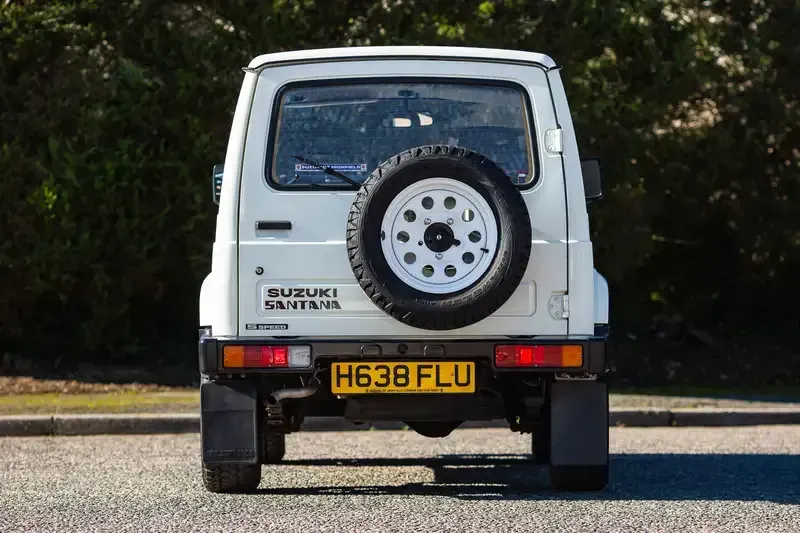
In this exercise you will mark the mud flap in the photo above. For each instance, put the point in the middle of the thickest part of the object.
(229, 422)
(579, 423)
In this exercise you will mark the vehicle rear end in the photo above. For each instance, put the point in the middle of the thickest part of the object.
(399, 239)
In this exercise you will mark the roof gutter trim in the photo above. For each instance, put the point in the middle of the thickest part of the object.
(339, 59)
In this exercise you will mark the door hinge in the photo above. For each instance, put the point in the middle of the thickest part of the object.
(559, 306)
(552, 141)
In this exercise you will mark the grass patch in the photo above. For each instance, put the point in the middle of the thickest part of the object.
(117, 402)
(188, 400)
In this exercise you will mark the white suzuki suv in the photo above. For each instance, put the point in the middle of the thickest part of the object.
(403, 235)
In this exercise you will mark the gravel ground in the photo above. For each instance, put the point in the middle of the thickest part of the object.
(663, 479)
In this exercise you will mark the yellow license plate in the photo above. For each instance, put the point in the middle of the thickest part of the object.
(394, 378)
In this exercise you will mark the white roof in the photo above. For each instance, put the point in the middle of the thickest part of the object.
(389, 52)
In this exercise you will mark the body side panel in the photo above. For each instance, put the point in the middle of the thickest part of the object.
(219, 291)
(581, 258)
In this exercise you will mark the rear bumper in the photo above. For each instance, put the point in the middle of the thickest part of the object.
(236, 409)
(325, 351)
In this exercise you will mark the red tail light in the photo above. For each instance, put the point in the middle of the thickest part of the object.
(280, 355)
(538, 356)
(266, 356)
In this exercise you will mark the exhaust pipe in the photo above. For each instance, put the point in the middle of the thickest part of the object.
(293, 394)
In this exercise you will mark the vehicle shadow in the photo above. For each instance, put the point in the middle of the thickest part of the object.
(721, 477)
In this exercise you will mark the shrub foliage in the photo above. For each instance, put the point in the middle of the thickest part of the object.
(112, 113)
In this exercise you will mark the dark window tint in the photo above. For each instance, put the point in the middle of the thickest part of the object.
(355, 127)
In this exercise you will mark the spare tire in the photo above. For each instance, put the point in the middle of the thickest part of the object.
(438, 237)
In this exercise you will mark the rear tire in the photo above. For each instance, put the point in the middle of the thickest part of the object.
(579, 478)
(231, 478)
(540, 438)
(274, 447)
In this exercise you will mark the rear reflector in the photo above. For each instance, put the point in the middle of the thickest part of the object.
(253, 356)
(550, 356)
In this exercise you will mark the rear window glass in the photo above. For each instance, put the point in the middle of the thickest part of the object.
(353, 128)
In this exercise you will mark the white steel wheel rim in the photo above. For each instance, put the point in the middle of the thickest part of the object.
(445, 202)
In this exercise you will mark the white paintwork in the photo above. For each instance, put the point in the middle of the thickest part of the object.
(600, 299)
(581, 256)
(313, 254)
(466, 198)
(218, 293)
(390, 52)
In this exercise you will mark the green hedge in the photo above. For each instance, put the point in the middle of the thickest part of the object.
(112, 114)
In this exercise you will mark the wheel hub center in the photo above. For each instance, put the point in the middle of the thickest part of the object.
(439, 237)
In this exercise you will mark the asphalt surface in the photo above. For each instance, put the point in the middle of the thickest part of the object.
(663, 479)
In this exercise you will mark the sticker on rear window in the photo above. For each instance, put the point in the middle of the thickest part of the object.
(359, 167)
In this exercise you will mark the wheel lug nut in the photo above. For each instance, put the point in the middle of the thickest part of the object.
(450, 221)
(438, 256)
(427, 221)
